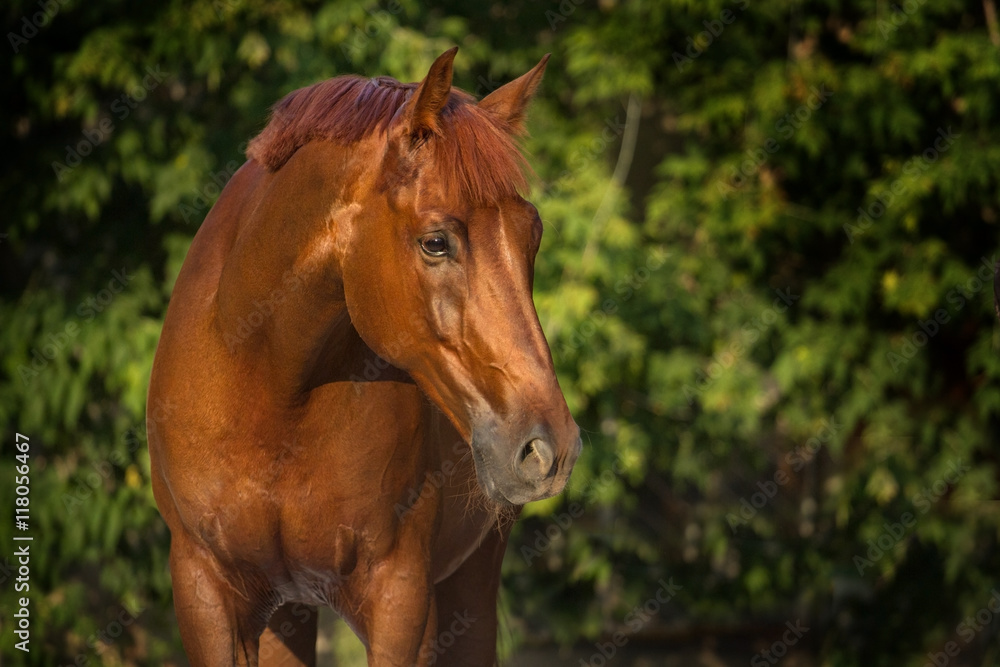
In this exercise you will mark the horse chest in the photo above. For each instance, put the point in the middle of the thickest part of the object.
(460, 535)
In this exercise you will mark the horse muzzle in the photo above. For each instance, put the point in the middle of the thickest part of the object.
(539, 467)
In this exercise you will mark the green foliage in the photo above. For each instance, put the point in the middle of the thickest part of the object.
(846, 400)
(770, 312)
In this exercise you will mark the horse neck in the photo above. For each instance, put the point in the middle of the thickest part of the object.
(280, 300)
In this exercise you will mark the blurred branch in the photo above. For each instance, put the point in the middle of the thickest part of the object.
(622, 168)
(990, 9)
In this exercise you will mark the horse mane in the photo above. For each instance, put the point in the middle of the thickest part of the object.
(475, 153)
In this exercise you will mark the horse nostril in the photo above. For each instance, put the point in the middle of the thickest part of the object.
(534, 461)
(527, 450)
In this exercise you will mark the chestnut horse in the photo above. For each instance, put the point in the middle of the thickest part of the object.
(361, 394)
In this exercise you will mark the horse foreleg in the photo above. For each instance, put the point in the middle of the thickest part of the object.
(290, 637)
(218, 627)
(399, 619)
(467, 608)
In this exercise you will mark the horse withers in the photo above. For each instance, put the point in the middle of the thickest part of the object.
(362, 396)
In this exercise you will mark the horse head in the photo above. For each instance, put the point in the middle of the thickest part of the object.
(438, 279)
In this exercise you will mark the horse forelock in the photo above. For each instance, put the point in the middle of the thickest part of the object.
(475, 155)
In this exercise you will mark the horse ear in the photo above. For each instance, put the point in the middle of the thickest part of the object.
(430, 97)
(509, 102)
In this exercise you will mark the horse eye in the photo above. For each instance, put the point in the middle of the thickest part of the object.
(435, 245)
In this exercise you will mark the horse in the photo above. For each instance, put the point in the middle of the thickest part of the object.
(361, 395)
